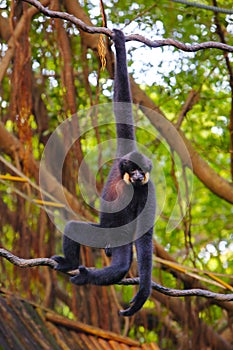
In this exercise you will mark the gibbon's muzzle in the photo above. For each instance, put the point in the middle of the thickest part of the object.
(137, 176)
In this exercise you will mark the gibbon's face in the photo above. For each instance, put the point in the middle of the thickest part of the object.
(135, 172)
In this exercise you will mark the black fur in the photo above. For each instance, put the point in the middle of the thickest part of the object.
(129, 193)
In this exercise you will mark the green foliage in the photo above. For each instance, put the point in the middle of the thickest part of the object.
(143, 335)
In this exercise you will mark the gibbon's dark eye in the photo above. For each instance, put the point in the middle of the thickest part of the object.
(132, 169)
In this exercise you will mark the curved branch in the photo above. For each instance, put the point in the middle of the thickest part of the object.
(133, 37)
(71, 18)
(178, 44)
(15, 260)
(181, 293)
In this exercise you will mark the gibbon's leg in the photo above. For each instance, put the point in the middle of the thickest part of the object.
(71, 251)
(144, 247)
(120, 265)
(75, 230)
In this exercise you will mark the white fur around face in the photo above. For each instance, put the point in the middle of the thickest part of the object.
(126, 178)
(146, 178)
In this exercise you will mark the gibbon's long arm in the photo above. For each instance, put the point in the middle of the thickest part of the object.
(144, 247)
(122, 99)
(127, 204)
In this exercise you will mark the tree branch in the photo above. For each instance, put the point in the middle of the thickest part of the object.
(181, 293)
(15, 260)
(133, 37)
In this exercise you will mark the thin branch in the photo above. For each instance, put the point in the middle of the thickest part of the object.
(181, 293)
(179, 45)
(15, 260)
(133, 37)
(205, 7)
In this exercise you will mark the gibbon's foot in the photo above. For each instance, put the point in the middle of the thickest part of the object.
(64, 265)
(82, 277)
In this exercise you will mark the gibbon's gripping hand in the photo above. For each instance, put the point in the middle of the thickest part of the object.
(71, 250)
(61, 263)
(82, 277)
(64, 265)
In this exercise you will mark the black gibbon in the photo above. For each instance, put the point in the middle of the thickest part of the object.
(127, 204)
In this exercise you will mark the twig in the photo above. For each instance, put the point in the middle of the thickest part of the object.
(128, 281)
(133, 37)
(191, 100)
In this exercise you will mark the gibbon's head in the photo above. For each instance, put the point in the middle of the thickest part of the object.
(135, 169)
